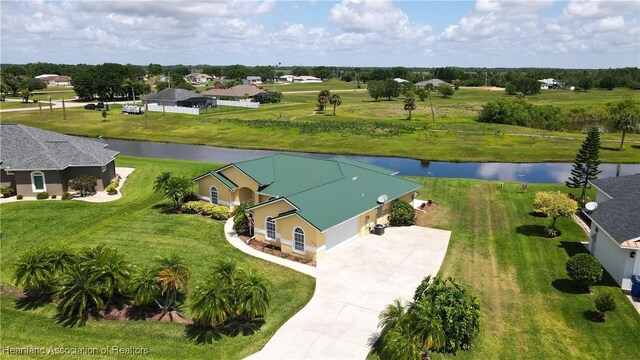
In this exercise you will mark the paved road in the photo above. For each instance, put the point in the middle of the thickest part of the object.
(354, 284)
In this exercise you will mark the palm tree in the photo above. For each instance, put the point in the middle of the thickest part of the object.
(78, 295)
(161, 181)
(323, 99)
(130, 84)
(626, 116)
(61, 258)
(109, 271)
(211, 304)
(252, 296)
(430, 88)
(144, 288)
(241, 217)
(427, 326)
(335, 101)
(409, 105)
(34, 271)
(176, 188)
(173, 276)
(226, 273)
(401, 343)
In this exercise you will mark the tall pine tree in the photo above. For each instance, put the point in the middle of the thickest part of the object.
(585, 167)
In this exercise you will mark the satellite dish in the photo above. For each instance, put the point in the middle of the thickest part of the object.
(591, 205)
(383, 198)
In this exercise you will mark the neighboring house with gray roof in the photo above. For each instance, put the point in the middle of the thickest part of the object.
(434, 82)
(34, 160)
(178, 97)
(615, 227)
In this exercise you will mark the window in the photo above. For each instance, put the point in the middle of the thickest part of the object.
(37, 181)
(213, 195)
(104, 168)
(298, 240)
(271, 228)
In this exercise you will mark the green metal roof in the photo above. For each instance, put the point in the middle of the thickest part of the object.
(230, 184)
(327, 191)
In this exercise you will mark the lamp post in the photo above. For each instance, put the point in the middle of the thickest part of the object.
(275, 68)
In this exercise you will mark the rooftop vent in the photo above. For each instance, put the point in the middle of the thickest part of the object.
(590, 206)
(383, 198)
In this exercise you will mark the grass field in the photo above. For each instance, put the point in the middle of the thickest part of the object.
(136, 226)
(362, 126)
(529, 309)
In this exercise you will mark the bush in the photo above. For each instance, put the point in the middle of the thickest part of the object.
(268, 98)
(54, 196)
(67, 196)
(192, 207)
(85, 184)
(42, 195)
(216, 211)
(402, 214)
(190, 196)
(516, 111)
(585, 270)
(7, 191)
(604, 302)
(19, 197)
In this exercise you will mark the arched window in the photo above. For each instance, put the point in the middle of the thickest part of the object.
(213, 195)
(271, 228)
(38, 184)
(298, 240)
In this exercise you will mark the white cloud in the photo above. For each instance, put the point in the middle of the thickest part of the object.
(613, 23)
(373, 16)
(599, 9)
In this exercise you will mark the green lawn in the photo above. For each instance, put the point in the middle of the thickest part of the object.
(528, 308)
(136, 226)
(362, 126)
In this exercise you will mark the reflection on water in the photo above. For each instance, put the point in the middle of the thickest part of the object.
(531, 173)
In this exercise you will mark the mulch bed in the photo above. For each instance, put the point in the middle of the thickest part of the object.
(11, 291)
(273, 250)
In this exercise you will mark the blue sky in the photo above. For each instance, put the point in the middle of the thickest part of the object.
(481, 33)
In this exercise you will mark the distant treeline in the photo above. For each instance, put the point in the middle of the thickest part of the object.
(105, 80)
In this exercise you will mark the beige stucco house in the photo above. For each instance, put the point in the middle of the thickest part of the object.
(307, 206)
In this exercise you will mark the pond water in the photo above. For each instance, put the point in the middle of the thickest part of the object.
(525, 172)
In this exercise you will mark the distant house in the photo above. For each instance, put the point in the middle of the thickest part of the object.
(34, 160)
(549, 84)
(197, 78)
(57, 80)
(288, 78)
(254, 80)
(306, 79)
(237, 92)
(434, 82)
(400, 80)
(615, 227)
(178, 97)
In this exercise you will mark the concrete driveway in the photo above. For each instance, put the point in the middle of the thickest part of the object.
(354, 283)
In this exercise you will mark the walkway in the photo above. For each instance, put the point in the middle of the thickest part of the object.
(354, 283)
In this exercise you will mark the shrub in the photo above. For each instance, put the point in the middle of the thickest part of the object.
(216, 211)
(85, 184)
(190, 196)
(111, 188)
(192, 207)
(19, 197)
(42, 195)
(7, 191)
(554, 205)
(402, 214)
(54, 196)
(67, 196)
(604, 302)
(517, 111)
(585, 270)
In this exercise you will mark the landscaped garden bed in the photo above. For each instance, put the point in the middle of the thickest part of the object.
(274, 250)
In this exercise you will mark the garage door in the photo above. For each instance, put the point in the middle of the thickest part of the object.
(341, 233)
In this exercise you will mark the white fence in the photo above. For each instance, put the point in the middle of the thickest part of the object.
(173, 109)
(245, 104)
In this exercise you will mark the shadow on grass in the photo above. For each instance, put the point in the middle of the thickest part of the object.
(592, 315)
(568, 286)
(635, 146)
(202, 334)
(165, 208)
(608, 148)
(532, 230)
(573, 247)
(537, 214)
(31, 303)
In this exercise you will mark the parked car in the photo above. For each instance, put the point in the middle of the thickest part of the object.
(100, 106)
(90, 107)
(132, 109)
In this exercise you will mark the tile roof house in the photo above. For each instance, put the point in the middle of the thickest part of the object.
(178, 97)
(34, 160)
(615, 227)
(236, 92)
(59, 80)
(198, 78)
(306, 205)
(305, 79)
(434, 82)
